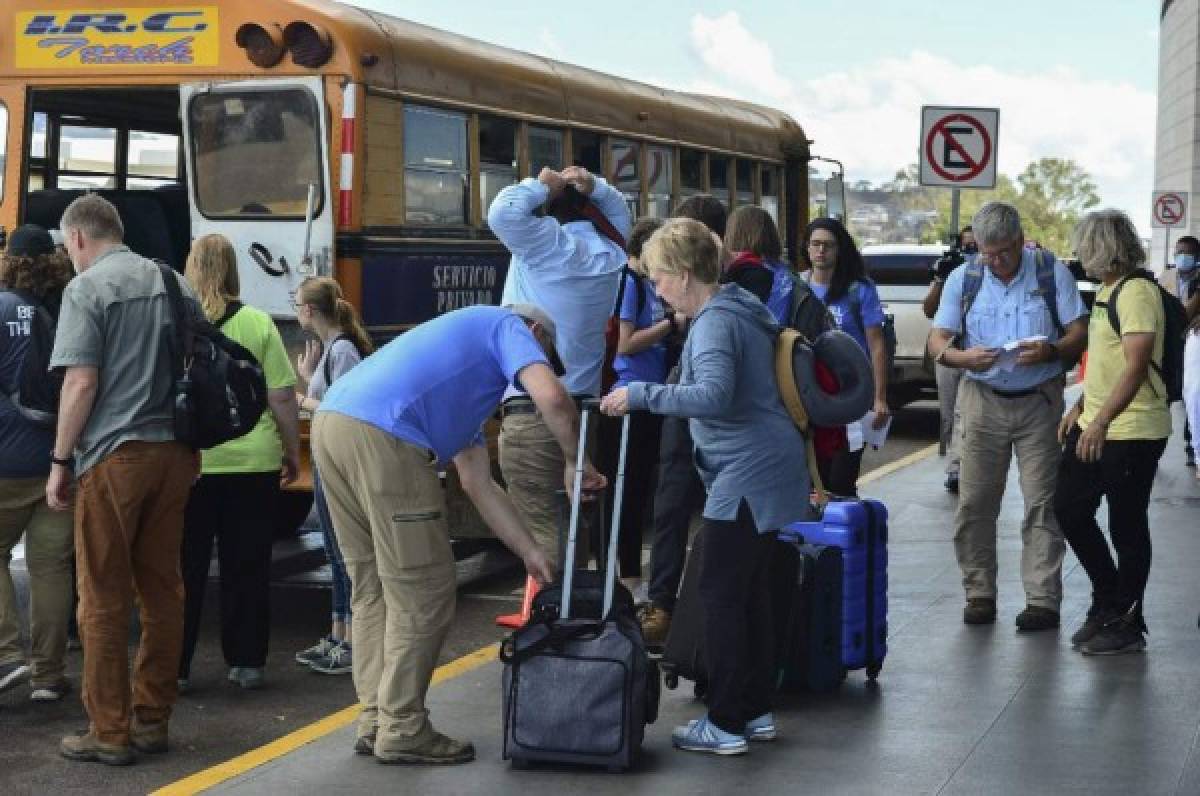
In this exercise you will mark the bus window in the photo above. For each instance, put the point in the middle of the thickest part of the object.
(37, 152)
(255, 152)
(744, 181)
(770, 191)
(691, 172)
(587, 148)
(87, 157)
(435, 166)
(625, 172)
(660, 163)
(718, 178)
(152, 160)
(3, 146)
(545, 150)
(497, 157)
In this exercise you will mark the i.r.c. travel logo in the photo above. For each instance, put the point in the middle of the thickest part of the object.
(117, 37)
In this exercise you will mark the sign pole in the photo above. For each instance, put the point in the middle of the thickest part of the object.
(955, 196)
(1167, 250)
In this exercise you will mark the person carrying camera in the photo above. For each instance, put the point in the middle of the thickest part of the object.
(948, 379)
(563, 264)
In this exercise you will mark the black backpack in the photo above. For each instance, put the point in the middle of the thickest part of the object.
(808, 315)
(1174, 331)
(36, 388)
(220, 390)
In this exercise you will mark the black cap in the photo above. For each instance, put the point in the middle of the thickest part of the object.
(29, 240)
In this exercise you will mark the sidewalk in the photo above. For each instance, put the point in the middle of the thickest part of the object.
(957, 710)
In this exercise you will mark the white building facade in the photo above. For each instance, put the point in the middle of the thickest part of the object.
(1177, 139)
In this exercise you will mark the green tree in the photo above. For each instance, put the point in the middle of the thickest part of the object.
(1051, 195)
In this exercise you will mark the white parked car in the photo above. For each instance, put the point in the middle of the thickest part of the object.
(901, 273)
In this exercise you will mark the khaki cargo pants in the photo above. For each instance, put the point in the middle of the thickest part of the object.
(49, 552)
(993, 428)
(531, 461)
(390, 518)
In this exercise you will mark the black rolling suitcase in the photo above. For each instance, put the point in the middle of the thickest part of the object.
(809, 631)
(806, 589)
(578, 684)
(683, 653)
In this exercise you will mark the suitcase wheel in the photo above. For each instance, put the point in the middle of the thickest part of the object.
(873, 671)
(671, 680)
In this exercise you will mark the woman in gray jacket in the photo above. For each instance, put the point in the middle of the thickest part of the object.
(751, 459)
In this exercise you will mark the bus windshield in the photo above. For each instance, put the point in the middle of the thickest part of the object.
(255, 152)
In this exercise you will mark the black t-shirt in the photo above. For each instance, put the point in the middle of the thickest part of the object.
(24, 447)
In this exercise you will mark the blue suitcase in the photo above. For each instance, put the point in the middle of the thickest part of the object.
(859, 528)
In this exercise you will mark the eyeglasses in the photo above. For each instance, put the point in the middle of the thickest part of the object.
(827, 245)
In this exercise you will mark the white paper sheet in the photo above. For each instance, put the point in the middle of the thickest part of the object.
(1010, 351)
(871, 435)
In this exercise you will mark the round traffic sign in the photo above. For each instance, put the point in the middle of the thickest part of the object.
(974, 165)
(1168, 209)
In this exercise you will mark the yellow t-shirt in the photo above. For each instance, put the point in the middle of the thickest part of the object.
(1140, 309)
(260, 451)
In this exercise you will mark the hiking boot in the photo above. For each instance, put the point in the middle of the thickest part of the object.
(702, 735)
(150, 738)
(655, 624)
(979, 611)
(438, 750)
(87, 748)
(762, 728)
(364, 744)
(13, 674)
(250, 678)
(316, 652)
(1035, 617)
(1093, 624)
(338, 661)
(952, 483)
(52, 692)
(1189, 457)
(1117, 637)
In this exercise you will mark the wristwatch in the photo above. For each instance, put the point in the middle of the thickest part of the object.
(68, 463)
(670, 316)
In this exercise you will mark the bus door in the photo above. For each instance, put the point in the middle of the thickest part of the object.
(258, 173)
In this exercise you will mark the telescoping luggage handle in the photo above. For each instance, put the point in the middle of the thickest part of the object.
(610, 570)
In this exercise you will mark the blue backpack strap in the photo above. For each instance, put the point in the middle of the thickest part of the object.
(1048, 287)
(971, 285)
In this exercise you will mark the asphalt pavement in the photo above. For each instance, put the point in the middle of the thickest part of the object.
(217, 721)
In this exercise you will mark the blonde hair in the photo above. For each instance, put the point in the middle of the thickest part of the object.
(212, 271)
(324, 295)
(1108, 244)
(682, 244)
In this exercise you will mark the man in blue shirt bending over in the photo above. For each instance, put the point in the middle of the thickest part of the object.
(379, 438)
(1019, 323)
(562, 263)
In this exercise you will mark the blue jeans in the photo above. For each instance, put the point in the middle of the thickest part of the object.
(341, 581)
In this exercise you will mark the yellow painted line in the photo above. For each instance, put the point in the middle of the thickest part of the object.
(209, 777)
(899, 464)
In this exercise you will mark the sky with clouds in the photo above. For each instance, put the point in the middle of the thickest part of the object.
(1072, 78)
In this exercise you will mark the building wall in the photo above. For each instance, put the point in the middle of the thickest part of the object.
(1177, 145)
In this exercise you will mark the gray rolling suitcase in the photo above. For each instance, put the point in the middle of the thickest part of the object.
(578, 684)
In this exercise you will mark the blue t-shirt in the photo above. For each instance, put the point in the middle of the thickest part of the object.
(24, 447)
(855, 311)
(436, 385)
(649, 365)
(1004, 313)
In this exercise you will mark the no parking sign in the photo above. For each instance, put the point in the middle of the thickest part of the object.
(1169, 209)
(958, 146)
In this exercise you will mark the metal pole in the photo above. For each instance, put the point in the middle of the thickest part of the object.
(955, 194)
(1167, 249)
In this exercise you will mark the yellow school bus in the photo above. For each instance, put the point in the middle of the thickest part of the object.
(326, 139)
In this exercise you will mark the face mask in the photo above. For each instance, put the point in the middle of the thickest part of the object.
(970, 248)
(1185, 262)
